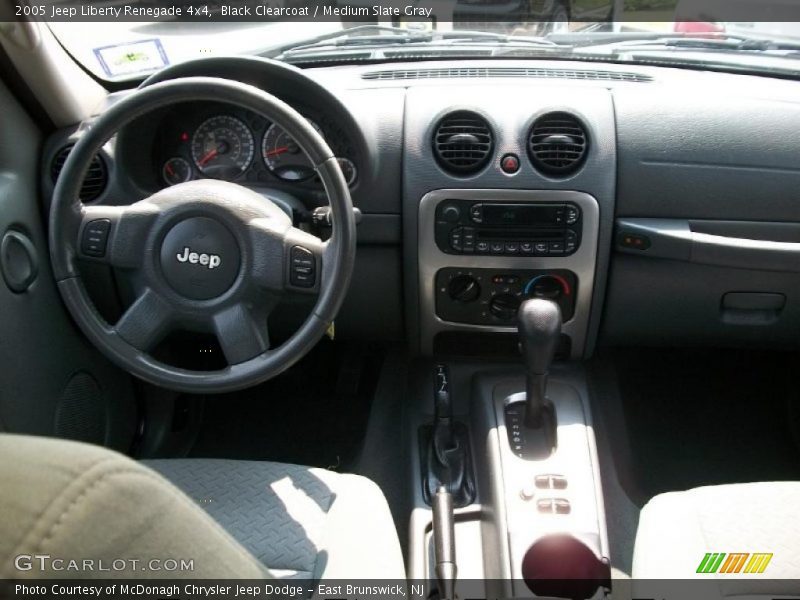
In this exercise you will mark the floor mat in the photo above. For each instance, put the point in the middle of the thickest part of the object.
(709, 417)
(314, 414)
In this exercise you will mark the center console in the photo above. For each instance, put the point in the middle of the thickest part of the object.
(486, 257)
(483, 252)
(481, 247)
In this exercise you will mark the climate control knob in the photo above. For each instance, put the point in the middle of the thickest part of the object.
(464, 288)
(504, 306)
(545, 286)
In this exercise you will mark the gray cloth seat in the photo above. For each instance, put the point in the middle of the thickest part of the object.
(233, 519)
(299, 522)
(677, 529)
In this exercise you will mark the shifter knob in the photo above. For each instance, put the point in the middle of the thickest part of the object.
(539, 324)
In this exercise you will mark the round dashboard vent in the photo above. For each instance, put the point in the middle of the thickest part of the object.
(557, 144)
(96, 177)
(463, 142)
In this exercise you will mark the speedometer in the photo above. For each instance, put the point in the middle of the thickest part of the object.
(222, 147)
(284, 157)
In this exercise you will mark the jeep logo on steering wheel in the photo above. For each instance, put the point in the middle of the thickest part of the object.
(210, 261)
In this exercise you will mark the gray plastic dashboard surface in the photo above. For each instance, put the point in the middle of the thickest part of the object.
(727, 153)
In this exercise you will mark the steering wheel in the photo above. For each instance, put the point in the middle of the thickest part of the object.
(207, 255)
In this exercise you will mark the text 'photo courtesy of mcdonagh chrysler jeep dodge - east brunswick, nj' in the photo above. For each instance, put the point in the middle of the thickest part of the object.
(400, 299)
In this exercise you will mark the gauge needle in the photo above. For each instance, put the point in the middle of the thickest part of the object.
(170, 170)
(209, 155)
(280, 150)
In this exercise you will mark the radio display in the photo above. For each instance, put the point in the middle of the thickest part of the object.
(516, 214)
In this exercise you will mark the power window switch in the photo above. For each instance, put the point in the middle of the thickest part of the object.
(561, 506)
(545, 505)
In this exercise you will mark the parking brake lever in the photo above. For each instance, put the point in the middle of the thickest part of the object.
(444, 543)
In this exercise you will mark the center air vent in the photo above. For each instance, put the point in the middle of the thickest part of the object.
(96, 177)
(463, 142)
(557, 144)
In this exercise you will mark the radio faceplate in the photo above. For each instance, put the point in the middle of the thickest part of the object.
(508, 228)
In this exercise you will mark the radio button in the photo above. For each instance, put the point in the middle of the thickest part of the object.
(573, 214)
(540, 248)
(526, 247)
(512, 248)
(496, 247)
(556, 248)
(482, 246)
(476, 212)
(571, 242)
(455, 239)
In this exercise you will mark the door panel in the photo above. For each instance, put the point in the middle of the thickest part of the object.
(52, 382)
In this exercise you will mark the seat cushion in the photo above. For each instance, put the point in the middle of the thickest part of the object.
(76, 502)
(677, 529)
(300, 522)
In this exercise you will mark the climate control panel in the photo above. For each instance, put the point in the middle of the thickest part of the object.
(493, 296)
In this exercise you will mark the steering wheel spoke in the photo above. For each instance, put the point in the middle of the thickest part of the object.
(146, 321)
(115, 235)
(241, 332)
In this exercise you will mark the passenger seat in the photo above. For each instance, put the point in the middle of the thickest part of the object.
(678, 529)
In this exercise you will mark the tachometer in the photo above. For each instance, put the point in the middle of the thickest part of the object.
(284, 157)
(222, 147)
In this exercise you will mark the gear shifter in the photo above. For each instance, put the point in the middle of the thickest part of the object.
(539, 325)
(531, 424)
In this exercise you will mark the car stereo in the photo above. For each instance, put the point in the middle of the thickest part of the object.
(511, 228)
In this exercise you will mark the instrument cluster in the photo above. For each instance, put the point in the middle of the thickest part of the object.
(221, 142)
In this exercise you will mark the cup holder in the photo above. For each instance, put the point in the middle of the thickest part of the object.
(564, 567)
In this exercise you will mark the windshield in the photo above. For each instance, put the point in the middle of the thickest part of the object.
(120, 46)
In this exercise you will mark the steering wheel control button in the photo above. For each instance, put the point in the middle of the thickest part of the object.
(303, 268)
(95, 238)
(509, 164)
(200, 258)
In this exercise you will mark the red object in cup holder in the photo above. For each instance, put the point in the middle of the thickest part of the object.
(564, 567)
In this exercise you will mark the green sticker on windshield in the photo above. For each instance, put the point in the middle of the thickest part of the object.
(132, 58)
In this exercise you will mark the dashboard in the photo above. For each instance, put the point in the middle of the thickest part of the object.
(690, 224)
